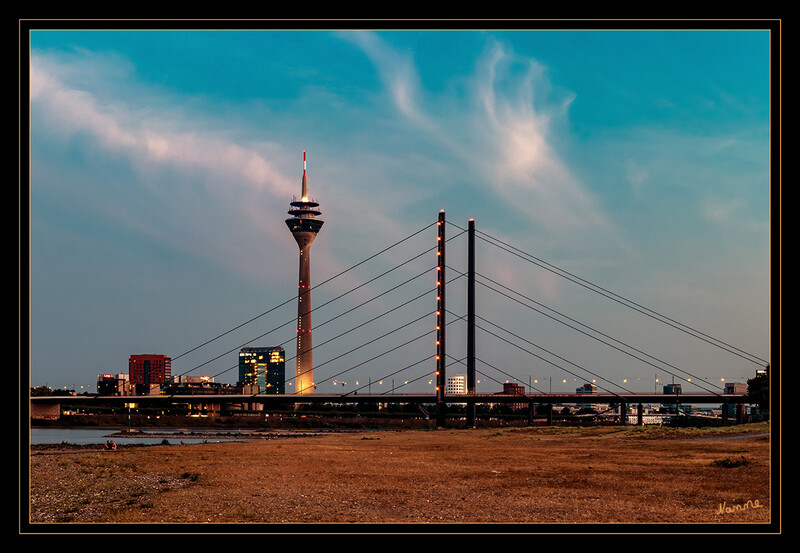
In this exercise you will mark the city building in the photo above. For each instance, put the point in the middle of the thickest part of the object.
(113, 384)
(739, 388)
(188, 379)
(456, 384)
(197, 385)
(149, 371)
(304, 226)
(263, 368)
(587, 388)
(514, 389)
(671, 390)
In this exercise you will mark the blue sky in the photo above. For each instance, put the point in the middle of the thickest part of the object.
(162, 165)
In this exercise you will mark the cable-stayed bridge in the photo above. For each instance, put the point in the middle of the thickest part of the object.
(396, 334)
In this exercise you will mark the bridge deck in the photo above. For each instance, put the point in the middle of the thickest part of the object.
(399, 398)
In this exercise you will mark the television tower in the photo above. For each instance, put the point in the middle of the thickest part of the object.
(304, 226)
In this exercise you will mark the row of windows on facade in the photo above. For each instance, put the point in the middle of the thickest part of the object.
(264, 368)
(150, 369)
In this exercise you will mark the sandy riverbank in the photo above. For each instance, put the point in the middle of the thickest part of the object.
(532, 476)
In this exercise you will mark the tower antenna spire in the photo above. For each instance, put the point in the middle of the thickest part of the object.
(304, 226)
(305, 179)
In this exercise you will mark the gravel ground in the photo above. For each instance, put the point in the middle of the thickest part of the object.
(524, 476)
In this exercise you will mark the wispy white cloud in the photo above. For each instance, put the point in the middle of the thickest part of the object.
(150, 139)
(398, 73)
(526, 167)
(501, 134)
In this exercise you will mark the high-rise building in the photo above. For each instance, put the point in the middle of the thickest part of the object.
(456, 384)
(264, 368)
(150, 369)
(304, 226)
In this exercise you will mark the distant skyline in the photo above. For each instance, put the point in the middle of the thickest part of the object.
(162, 164)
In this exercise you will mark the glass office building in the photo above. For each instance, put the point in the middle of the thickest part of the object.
(263, 367)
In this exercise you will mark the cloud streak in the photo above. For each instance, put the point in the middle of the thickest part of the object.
(503, 133)
(146, 140)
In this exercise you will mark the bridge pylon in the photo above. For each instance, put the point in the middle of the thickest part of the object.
(441, 360)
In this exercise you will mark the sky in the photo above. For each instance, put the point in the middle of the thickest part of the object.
(162, 164)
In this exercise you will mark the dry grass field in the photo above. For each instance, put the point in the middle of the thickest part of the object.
(529, 477)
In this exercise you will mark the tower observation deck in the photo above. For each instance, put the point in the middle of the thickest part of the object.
(304, 226)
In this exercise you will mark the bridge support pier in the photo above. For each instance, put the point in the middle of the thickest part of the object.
(549, 414)
(640, 416)
(623, 413)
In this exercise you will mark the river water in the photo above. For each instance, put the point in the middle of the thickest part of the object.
(87, 436)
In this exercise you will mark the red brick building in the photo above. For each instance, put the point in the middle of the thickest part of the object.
(149, 369)
(513, 389)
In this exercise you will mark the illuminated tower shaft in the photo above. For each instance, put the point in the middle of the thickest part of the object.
(304, 226)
